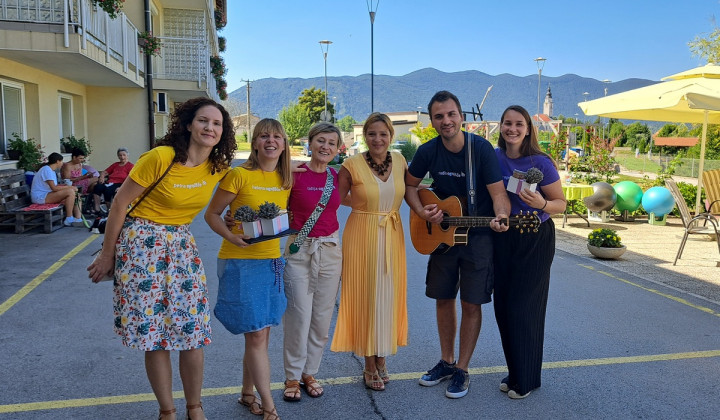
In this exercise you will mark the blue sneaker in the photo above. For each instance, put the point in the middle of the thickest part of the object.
(443, 370)
(459, 384)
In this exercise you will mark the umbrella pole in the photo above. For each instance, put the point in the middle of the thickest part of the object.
(702, 161)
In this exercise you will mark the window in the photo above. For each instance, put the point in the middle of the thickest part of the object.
(12, 112)
(66, 116)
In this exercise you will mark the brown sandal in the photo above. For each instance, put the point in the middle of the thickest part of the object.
(312, 387)
(166, 412)
(375, 383)
(292, 391)
(189, 407)
(383, 372)
(252, 402)
(271, 415)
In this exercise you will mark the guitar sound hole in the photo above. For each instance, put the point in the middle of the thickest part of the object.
(445, 225)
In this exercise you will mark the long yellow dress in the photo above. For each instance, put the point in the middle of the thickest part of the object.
(372, 319)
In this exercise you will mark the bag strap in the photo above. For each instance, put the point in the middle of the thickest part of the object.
(149, 189)
(470, 175)
(315, 215)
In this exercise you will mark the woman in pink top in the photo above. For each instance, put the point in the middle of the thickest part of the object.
(312, 272)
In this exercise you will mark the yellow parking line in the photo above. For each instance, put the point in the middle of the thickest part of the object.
(5, 306)
(657, 292)
(234, 390)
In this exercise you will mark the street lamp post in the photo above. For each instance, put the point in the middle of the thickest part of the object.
(324, 50)
(540, 61)
(372, 10)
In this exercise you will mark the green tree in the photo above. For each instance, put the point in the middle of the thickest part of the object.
(296, 121)
(345, 124)
(314, 102)
(707, 47)
(424, 133)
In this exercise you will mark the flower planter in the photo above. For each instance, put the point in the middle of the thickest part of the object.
(252, 229)
(13, 154)
(274, 226)
(606, 253)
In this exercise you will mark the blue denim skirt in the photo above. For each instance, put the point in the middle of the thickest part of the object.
(250, 294)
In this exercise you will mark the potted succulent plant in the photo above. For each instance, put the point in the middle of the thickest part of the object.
(250, 222)
(274, 220)
(605, 243)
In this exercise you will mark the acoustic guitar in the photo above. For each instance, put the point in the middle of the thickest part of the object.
(428, 238)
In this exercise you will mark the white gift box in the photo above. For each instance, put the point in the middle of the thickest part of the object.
(252, 229)
(274, 226)
(515, 185)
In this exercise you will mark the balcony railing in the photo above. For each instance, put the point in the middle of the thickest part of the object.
(183, 59)
(116, 37)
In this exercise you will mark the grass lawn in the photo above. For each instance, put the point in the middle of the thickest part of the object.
(640, 163)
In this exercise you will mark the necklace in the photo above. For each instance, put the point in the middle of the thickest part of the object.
(381, 168)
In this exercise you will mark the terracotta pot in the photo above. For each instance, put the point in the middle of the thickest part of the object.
(606, 253)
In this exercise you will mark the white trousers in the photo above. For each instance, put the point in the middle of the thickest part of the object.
(312, 279)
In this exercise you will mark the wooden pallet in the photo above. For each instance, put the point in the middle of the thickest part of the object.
(15, 196)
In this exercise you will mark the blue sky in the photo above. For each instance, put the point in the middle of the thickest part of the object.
(612, 39)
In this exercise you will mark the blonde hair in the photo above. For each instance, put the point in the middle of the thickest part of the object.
(378, 117)
(271, 126)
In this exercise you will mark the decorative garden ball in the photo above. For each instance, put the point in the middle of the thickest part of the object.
(658, 200)
(603, 198)
(629, 196)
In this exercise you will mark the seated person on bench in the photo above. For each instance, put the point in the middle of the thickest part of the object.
(45, 189)
(112, 178)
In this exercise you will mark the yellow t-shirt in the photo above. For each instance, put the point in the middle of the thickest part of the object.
(181, 194)
(252, 188)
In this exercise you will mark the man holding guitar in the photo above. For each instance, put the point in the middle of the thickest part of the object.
(468, 268)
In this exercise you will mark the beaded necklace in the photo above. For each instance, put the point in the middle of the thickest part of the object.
(381, 168)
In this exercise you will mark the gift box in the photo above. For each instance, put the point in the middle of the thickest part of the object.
(515, 185)
(252, 229)
(276, 225)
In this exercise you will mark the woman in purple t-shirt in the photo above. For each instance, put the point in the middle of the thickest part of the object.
(313, 266)
(522, 260)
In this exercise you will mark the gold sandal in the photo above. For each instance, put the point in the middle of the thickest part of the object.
(252, 402)
(383, 372)
(375, 383)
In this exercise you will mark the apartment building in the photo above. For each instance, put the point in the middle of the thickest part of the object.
(67, 67)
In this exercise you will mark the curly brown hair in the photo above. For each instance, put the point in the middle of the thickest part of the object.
(178, 135)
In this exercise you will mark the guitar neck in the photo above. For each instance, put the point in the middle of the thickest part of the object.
(468, 221)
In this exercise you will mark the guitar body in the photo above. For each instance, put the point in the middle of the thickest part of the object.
(428, 238)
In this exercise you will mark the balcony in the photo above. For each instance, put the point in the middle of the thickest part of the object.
(72, 39)
(183, 68)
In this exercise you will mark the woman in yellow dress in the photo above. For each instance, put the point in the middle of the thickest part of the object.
(372, 319)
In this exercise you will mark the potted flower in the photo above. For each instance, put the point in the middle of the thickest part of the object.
(250, 222)
(274, 220)
(71, 142)
(111, 7)
(28, 153)
(149, 44)
(605, 243)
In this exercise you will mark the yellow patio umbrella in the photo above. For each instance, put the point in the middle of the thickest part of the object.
(692, 96)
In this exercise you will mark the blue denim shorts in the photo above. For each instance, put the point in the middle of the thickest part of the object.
(250, 294)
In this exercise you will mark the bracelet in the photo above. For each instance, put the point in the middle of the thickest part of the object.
(543, 207)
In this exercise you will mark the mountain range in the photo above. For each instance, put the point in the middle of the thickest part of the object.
(351, 94)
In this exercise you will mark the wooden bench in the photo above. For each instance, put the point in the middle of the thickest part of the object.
(15, 198)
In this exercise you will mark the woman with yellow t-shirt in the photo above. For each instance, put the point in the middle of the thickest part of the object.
(251, 298)
(161, 301)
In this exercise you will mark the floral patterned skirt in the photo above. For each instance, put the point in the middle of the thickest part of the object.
(160, 300)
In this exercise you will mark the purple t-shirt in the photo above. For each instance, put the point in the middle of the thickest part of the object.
(541, 162)
(304, 197)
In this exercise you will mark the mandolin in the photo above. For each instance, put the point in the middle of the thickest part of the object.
(428, 238)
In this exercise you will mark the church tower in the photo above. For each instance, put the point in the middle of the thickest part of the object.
(548, 104)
